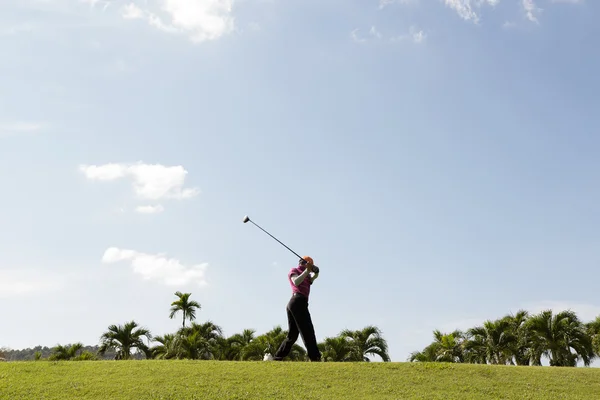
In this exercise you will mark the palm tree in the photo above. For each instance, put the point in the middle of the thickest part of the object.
(367, 341)
(67, 352)
(429, 354)
(446, 347)
(226, 350)
(491, 342)
(244, 338)
(521, 346)
(336, 349)
(187, 307)
(231, 348)
(475, 348)
(167, 347)
(298, 353)
(193, 346)
(593, 329)
(201, 341)
(266, 343)
(85, 356)
(561, 337)
(269, 342)
(125, 338)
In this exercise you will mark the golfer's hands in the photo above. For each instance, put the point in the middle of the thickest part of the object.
(309, 267)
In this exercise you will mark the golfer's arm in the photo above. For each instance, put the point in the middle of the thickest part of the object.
(298, 279)
(315, 276)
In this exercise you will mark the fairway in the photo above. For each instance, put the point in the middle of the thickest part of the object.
(153, 379)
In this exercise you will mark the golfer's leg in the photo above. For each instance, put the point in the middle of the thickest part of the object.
(307, 330)
(292, 336)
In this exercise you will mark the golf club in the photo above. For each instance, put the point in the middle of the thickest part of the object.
(247, 219)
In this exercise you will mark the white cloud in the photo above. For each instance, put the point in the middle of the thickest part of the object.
(131, 11)
(375, 32)
(106, 172)
(531, 10)
(150, 181)
(93, 3)
(415, 35)
(157, 181)
(22, 282)
(200, 20)
(355, 37)
(466, 8)
(19, 128)
(157, 267)
(150, 209)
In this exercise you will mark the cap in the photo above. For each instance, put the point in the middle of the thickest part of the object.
(308, 259)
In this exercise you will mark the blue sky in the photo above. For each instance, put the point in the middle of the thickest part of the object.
(437, 159)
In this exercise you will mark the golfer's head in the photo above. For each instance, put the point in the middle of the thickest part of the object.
(305, 260)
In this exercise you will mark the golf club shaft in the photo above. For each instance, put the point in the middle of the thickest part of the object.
(275, 238)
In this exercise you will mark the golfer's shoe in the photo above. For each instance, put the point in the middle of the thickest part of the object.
(268, 357)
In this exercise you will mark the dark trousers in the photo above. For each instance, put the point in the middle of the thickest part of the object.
(299, 322)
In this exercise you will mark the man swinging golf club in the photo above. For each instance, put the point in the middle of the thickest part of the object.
(299, 320)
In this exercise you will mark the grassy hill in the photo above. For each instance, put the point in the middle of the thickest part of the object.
(153, 379)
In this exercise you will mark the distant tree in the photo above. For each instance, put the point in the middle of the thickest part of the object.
(4, 351)
(231, 348)
(185, 305)
(520, 347)
(593, 330)
(193, 346)
(269, 342)
(168, 347)
(197, 341)
(503, 341)
(63, 353)
(86, 356)
(446, 347)
(125, 338)
(44, 352)
(428, 354)
(365, 342)
(336, 349)
(201, 341)
(561, 337)
(491, 342)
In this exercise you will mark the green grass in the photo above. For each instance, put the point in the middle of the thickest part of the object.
(153, 379)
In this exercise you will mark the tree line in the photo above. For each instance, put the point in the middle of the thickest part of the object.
(520, 339)
(205, 341)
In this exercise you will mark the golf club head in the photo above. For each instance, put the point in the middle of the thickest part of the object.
(246, 219)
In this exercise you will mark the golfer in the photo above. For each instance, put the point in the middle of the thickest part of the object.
(299, 320)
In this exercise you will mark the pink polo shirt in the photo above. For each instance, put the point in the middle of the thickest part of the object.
(304, 287)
